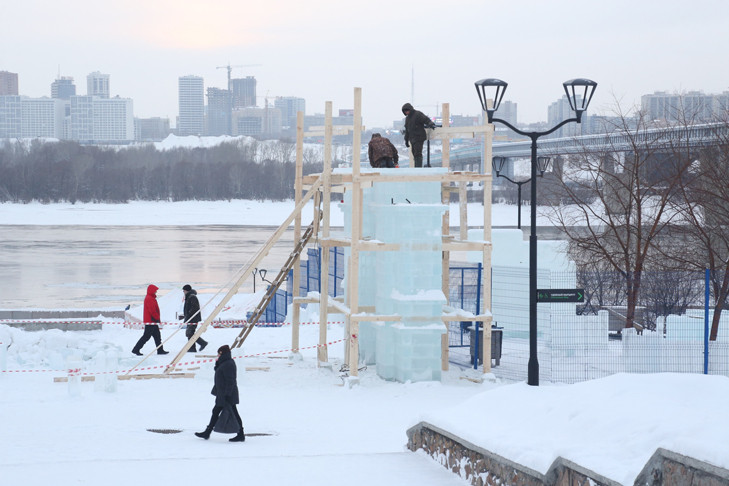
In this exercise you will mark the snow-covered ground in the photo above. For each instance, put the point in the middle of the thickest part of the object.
(322, 432)
(183, 213)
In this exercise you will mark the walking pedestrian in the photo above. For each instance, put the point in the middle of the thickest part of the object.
(192, 315)
(225, 390)
(151, 323)
(415, 124)
(382, 153)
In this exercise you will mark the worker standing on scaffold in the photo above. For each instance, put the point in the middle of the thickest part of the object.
(415, 124)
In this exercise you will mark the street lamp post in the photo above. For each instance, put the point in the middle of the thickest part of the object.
(261, 273)
(497, 163)
(579, 93)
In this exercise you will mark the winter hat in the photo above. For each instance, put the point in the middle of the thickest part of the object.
(187, 287)
(224, 349)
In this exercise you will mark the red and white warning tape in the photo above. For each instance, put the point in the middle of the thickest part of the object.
(234, 323)
(78, 372)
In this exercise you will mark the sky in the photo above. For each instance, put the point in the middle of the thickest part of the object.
(320, 50)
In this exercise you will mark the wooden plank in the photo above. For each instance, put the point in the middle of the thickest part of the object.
(64, 379)
(156, 375)
(457, 245)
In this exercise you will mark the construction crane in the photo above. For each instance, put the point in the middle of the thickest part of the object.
(230, 68)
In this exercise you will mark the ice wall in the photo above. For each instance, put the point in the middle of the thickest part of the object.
(405, 282)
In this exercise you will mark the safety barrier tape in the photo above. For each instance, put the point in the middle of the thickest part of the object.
(78, 372)
(216, 324)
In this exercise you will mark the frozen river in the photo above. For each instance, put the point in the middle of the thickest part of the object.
(95, 267)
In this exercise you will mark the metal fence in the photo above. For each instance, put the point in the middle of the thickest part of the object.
(576, 341)
(584, 341)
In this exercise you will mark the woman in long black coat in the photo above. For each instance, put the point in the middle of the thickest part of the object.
(226, 394)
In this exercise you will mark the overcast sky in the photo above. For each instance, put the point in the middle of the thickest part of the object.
(321, 49)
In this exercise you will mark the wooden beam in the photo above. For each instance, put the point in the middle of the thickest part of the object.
(246, 273)
(457, 245)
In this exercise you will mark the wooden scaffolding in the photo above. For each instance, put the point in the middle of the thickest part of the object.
(320, 188)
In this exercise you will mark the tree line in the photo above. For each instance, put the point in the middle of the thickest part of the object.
(66, 171)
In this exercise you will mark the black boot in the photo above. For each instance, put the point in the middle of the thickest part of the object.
(136, 351)
(205, 434)
(241, 437)
(192, 350)
(202, 344)
(162, 351)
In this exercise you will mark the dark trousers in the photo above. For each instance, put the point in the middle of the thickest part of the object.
(384, 162)
(417, 147)
(189, 332)
(150, 331)
(216, 413)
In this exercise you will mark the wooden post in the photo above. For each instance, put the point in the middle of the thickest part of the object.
(353, 279)
(322, 352)
(296, 310)
(446, 260)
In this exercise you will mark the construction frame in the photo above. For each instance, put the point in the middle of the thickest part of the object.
(320, 188)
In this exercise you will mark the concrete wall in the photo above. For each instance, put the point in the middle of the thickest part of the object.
(481, 467)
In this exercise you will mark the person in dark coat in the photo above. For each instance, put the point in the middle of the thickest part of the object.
(191, 315)
(382, 152)
(415, 124)
(226, 393)
(151, 321)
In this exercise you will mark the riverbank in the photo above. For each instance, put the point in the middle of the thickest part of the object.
(195, 213)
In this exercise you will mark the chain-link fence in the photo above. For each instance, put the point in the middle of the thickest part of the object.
(668, 325)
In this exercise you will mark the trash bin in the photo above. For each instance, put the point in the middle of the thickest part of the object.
(496, 340)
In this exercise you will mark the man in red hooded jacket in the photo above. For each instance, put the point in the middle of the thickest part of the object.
(151, 319)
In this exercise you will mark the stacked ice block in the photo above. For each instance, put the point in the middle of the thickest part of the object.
(405, 282)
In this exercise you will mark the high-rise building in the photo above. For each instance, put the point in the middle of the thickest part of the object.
(151, 129)
(10, 116)
(191, 102)
(97, 84)
(63, 88)
(8, 83)
(102, 120)
(24, 117)
(691, 106)
(42, 117)
(561, 110)
(219, 112)
(507, 111)
(264, 122)
(244, 91)
(289, 106)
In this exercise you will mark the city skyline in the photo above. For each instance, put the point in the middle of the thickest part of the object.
(320, 51)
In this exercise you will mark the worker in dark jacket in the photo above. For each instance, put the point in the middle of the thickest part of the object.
(226, 393)
(191, 315)
(382, 152)
(151, 316)
(415, 124)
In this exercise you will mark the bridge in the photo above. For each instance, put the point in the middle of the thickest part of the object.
(688, 136)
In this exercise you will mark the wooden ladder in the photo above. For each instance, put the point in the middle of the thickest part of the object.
(271, 291)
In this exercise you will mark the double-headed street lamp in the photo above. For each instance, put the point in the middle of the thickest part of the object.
(579, 93)
(497, 163)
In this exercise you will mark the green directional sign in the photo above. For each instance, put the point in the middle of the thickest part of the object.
(560, 295)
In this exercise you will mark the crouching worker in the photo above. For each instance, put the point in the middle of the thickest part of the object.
(225, 418)
(382, 152)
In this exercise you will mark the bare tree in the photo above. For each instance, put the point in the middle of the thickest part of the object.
(615, 198)
(703, 235)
